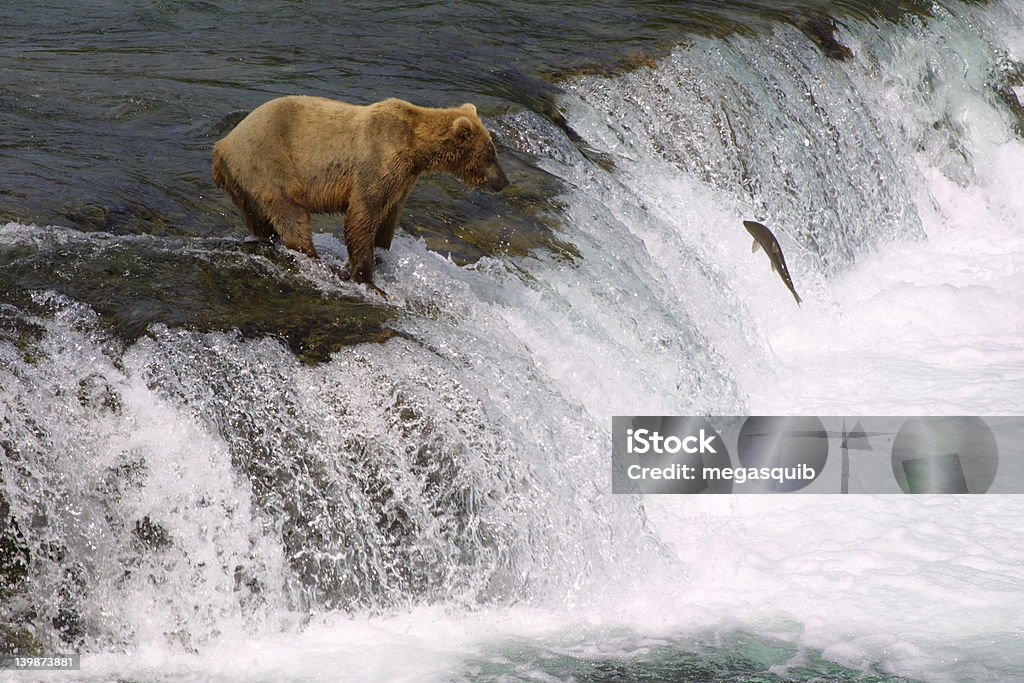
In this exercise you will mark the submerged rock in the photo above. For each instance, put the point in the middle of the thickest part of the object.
(14, 556)
(94, 391)
(15, 610)
(1008, 83)
(151, 535)
(19, 640)
(523, 219)
(205, 285)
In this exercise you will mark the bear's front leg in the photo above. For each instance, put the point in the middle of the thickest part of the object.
(385, 232)
(360, 232)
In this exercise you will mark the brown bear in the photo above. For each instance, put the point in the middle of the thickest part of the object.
(297, 155)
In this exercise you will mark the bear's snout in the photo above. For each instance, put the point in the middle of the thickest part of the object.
(496, 180)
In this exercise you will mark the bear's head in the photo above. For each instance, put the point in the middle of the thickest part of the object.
(471, 153)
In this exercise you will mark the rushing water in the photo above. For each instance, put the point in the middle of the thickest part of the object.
(220, 462)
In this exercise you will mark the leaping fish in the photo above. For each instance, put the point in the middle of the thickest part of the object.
(764, 238)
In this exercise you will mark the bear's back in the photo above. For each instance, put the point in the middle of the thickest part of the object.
(308, 127)
(286, 117)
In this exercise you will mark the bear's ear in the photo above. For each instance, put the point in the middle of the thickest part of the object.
(462, 128)
(471, 108)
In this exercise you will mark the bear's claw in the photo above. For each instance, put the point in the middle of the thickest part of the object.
(377, 290)
(345, 274)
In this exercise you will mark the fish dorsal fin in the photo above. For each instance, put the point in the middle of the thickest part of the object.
(754, 247)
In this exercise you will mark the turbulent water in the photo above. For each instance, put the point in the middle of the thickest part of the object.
(219, 462)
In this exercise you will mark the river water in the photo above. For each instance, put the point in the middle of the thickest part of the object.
(219, 462)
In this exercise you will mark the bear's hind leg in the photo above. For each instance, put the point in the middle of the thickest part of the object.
(259, 226)
(255, 220)
(291, 222)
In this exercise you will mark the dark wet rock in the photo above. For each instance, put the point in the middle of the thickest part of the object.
(17, 639)
(14, 554)
(1008, 84)
(467, 226)
(227, 123)
(615, 65)
(15, 606)
(249, 588)
(128, 474)
(118, 219)
(206, 285)
(94, 391)
(68, 622)
(16, 328)
(150, 535)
